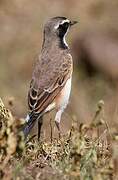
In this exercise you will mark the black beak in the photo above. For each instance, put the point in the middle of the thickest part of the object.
(73, 22)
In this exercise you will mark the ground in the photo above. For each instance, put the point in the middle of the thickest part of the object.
(84, 152)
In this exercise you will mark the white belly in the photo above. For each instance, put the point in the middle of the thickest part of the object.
(63, 98)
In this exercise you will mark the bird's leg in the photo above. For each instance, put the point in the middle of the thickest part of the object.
(57, 121)
(40, 122)
(58, 127)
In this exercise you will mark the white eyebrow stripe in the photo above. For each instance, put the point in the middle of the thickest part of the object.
(63, 21)
(66, 20)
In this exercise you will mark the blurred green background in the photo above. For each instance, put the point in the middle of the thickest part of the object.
(94, 47)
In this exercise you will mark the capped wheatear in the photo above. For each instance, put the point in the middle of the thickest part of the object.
(51, 79)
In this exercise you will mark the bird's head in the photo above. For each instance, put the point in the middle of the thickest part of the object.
(58, 27)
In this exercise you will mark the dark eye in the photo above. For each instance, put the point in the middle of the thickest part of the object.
(62, 29)
(64, 25)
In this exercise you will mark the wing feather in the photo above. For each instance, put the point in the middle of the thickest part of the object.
(39, 97)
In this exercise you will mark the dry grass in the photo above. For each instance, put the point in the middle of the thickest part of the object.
(85, 152)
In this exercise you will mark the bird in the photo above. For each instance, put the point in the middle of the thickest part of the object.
(50, 85)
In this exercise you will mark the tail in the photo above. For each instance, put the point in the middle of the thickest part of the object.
(30, 122)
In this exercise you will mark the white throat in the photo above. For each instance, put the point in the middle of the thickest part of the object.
(64, 38)
(64, 41)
